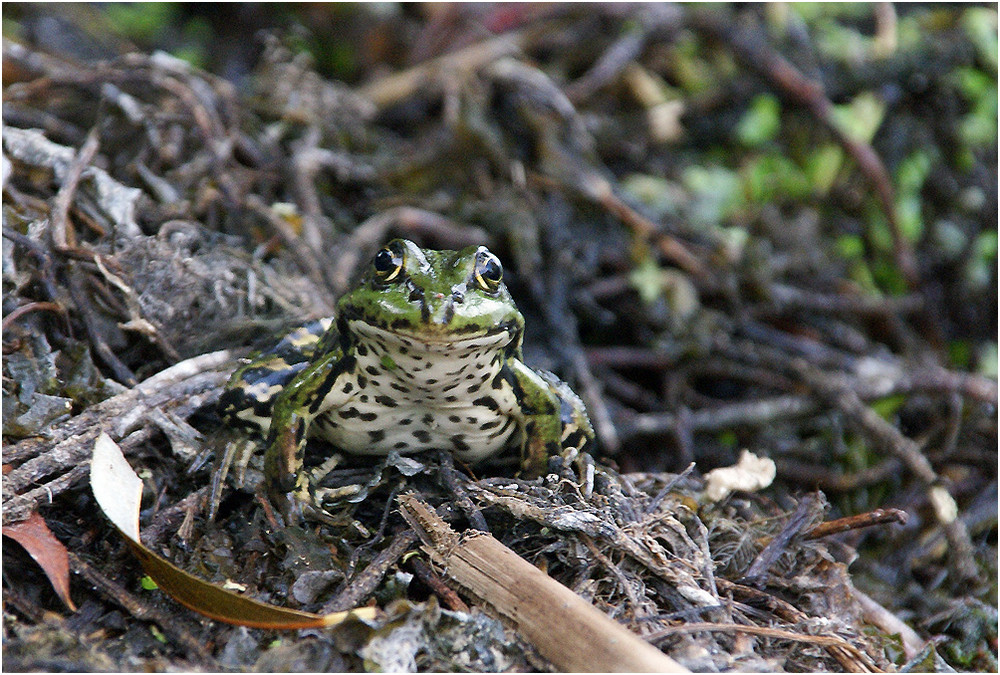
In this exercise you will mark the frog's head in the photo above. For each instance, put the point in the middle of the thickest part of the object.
(436, 298)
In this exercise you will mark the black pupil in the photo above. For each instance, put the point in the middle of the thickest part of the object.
(385, 261)
(491, 270)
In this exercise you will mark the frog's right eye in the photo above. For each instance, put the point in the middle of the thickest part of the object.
(388, 264)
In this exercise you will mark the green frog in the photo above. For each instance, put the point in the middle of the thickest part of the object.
(425, 353)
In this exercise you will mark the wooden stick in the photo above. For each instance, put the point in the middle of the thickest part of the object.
(565, 629)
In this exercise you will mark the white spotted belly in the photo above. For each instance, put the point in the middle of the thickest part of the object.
(469, 432)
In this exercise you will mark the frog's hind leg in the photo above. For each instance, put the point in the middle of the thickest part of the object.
(249, 396)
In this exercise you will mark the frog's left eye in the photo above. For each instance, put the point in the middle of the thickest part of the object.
(388, 263)
(489, 271)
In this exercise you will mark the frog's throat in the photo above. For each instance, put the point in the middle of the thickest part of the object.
(453, 342)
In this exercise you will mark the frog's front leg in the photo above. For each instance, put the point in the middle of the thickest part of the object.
(313, 391)
(540, 416)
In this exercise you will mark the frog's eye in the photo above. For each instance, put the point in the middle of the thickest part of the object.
(388, 264)
(489, 271)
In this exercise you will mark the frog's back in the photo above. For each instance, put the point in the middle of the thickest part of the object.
(252, 389)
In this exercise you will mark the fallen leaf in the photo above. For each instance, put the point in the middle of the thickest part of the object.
(37, 539)
(118, 491)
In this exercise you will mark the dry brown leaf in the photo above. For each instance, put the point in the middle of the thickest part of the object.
(118, 491)
(37, 539)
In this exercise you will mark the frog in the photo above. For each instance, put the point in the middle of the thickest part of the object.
(424, 353)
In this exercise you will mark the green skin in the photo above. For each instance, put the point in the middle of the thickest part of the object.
(430, 297)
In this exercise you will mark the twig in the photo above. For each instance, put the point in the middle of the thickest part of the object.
(889, 623)
(192, 383)
(868, 519)
(861, 662)
(769, 554)
(139, 608)
(461, 497)
(565, 628)
(427, 575)
(361, 586)
(888, 437)
(305, 257)
(121, 372)
(392, 88)
(33, 307)
(61, 234)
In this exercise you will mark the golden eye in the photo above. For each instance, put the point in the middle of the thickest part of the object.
(489, 271)
(388, 263)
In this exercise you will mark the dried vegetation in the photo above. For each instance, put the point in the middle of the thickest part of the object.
(770, 228)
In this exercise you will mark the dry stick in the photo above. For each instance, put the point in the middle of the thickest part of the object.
(42, 305)
(364, 584)
(137, 607)
(861, 660)
(785, 611)
(193, 383)
(755, 413)
(305, 257)
(876, 517)
(388, 90)
(889, 623)
(121, 372)
(427, 574)
(843, 397)
(566, 629)
(61, 237)
(779, 543)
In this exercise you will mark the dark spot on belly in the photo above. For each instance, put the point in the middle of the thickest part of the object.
(368, 417)
(387, 401)
(471, 420)
(406, 420)
(488, 402)
(347, 387)
(399, 445)
(427, 419)
(361, 349)
(422, 435)
(459, 442)
(371, 370)
(398, 387)
(348, 413)
(470, 376)
(403, 350)
(364, 398)
(450, 398)
(500, 432)
(376, 435)
(432, 381)
(491, 424)
(454, 418)
(449, 387)
(474, 387)
(362, 381)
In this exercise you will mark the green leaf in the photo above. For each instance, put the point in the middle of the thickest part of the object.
(823, 165)
(147, 583)
(761, 122)
(860, 118)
